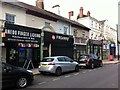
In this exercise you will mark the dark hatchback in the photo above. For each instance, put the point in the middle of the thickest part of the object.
(90, 60)
(15, 76)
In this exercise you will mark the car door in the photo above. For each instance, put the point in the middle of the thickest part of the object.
(8, 78)
(62, 64)
(70, 64)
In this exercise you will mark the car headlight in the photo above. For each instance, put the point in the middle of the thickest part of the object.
(30, 71)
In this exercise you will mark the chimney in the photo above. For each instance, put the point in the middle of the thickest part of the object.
(70, 14)
(88, 13)
(81, 12)
(40, 4)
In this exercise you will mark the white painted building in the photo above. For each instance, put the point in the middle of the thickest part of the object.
(99, 29)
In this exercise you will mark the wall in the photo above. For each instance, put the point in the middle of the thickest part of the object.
(20, 17)
(60, 27)
(38, 22)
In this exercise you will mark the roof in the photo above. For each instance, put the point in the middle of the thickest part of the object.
(46, 13)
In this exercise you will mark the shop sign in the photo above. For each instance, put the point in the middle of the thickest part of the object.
(23, 36)
(58, 37)
(27, 45)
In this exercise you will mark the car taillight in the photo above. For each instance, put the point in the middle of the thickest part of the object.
(51, 63)
(88, 59)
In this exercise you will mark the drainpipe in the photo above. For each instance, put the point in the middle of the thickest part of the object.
(42, 43)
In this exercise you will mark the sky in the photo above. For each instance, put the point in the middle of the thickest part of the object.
(99, 9)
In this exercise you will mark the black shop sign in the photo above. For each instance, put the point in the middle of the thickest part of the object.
(21, 34)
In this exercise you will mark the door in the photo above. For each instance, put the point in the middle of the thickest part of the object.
(63, 64)
(70, 64)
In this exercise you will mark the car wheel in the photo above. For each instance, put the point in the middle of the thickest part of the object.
(22, 82)
(92, 65)
(77, 68)
(58, 71)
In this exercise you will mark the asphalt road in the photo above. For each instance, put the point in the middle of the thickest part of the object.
(101, 77)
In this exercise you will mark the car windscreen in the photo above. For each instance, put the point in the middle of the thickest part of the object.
(85, 56)
(47, 60)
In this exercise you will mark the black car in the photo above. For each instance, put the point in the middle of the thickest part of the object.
(15, 76)
(90, 60)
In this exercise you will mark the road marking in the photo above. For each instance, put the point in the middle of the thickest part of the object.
(94, 69)
(89, 70)
(56, 79)
(76, 73)
(41, 83)
(84, 72)
(67, 76)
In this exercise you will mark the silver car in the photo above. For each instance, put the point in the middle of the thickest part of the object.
(58, 65)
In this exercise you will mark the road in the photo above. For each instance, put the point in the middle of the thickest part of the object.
(101, 77)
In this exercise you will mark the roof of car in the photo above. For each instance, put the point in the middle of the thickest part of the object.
(55, 56)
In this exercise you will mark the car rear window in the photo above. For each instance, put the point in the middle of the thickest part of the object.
(47, 59)
(85, 56)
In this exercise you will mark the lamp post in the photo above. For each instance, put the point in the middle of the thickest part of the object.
(117, 40)
(42, 43)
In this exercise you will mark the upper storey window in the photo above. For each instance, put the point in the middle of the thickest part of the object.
(10, 18)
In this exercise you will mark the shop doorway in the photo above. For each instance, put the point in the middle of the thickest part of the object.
(29, 54)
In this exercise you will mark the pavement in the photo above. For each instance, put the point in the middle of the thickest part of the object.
(106, 61)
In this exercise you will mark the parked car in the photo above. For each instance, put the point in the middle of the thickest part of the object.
(90, 60)
(58, 65)
(13, 76)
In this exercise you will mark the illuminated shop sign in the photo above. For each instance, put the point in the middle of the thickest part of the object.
(22, 36)
(58, 37)
(28, 45)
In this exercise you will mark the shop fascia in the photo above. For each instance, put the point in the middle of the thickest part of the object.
(22, 33)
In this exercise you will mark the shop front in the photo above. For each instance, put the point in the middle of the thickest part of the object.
(112, 49)
(57, 45)
(96, 47)
(20, 45)
(78, 51)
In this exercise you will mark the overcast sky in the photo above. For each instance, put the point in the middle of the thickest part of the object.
(100, 9)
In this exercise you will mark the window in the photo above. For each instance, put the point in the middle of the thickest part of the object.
(91, 23)
(75, 32)
(67, 59)
(10, 18)
(47, 24)
(61, 59)
(65, 30)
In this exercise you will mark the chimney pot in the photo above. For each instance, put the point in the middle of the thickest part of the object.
(40, 4)
(70, 14)
(81, 12)
(88, 13)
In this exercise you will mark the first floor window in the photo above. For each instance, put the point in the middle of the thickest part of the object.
(10, 18)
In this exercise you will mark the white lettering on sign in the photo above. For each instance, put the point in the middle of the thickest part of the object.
(22, 33)
(62, 38)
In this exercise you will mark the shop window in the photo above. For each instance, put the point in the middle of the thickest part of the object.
(10, 18)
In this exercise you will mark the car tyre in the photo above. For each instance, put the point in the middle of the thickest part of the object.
(92, 66)
(22, 82)
(58, 71)
(77, 68)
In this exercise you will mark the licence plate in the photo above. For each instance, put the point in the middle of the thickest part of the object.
(82, 64)
(43, 65)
